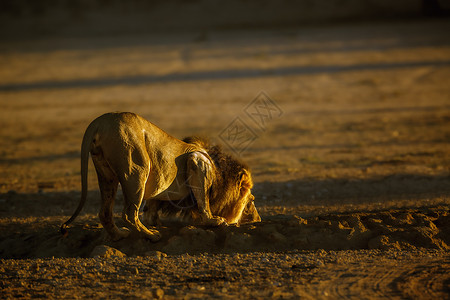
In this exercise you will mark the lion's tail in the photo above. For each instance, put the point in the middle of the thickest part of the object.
(85, 148)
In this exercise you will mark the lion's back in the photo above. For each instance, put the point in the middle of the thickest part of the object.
(112, 120)
(126, 125)
(121, 134)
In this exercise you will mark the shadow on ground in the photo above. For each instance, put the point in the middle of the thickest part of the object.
(384, 191)
(217, 75)
(346, 215)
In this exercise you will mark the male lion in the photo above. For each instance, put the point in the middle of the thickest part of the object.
(151, 165)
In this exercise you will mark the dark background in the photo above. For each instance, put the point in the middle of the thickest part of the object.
(25, 18)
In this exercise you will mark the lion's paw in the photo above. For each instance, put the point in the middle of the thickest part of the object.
(153, 235)
(216, 221)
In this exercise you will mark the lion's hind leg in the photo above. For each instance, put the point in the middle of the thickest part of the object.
(108, 184)
(108, 190)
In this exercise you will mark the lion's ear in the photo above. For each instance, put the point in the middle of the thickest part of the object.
(245, 181)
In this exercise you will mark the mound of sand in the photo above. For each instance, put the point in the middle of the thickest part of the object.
(405, 229)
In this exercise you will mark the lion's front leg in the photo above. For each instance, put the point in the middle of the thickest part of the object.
(133, 186)
(151, 212)
(199, 179)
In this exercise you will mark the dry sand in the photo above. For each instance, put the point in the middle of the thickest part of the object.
(351, 168)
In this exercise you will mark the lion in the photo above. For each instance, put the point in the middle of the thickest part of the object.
(153, 166)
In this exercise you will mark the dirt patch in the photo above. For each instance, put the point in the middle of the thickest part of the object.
(405, 229)
(310, 275)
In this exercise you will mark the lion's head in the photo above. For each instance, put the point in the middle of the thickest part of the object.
(230, 194)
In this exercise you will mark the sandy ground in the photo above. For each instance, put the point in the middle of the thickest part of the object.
(350, 159)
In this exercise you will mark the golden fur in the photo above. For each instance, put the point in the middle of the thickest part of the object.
(152, 166)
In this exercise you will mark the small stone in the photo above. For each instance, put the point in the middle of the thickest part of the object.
(106, 252)
(156, 254)
(158, 293)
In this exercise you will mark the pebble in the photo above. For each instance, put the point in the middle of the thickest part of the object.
(158, 293)
(105, 252)
(156, 254)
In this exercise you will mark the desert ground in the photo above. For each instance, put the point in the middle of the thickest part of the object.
(346, 128)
